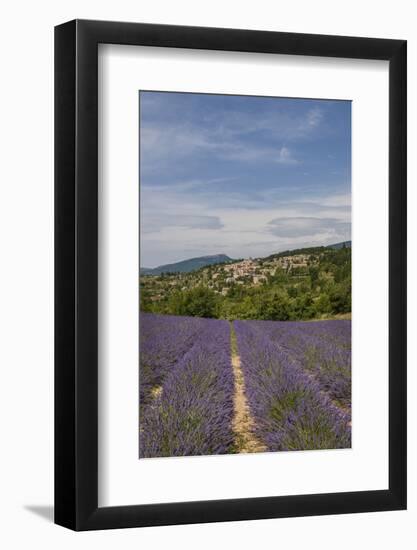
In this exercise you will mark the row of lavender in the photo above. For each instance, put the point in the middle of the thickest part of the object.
(163, 340)
(290, 408)
(188, 359)
(322, 348)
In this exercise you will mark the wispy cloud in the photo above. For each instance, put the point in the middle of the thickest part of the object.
(307, 227)
(156, 223)
(285, 156)
(160, 145)
(185, 185)
(314, 117)
(226, 135)
(244, 176)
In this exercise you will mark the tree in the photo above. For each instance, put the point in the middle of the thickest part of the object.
(323, 304)
(272, 306)
(340, 297)
(145, 301)
(292, 291)
(302, 307)
(314, 275)
(197, 302)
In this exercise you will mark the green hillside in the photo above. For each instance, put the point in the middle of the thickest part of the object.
(294, 285)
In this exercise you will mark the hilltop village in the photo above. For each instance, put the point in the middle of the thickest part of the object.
(256, 272)
(219, 278)
(297, 285)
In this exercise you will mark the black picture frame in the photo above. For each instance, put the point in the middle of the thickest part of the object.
(76, 272)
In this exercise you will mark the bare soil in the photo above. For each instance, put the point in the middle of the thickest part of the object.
(156, 391)
(243, 423)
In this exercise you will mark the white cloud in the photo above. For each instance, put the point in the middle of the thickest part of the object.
(301, 226)
(314, 117)
(163, 144)
(242, 216)
(285, 156)
(178, 224)
(226, 138)
(335, 201)
(155, 223)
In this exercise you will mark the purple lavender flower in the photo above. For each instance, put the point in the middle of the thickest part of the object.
(193, 413)
(322, 348)
(290, 410)
(295, 374)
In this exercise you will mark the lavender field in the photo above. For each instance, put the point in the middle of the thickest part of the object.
(209, 386)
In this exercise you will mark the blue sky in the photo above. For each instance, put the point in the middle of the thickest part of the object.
(240, 175)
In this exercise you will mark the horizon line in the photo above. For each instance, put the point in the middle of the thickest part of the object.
(243, 258)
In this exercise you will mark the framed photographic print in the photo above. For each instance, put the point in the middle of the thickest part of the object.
(230, 235)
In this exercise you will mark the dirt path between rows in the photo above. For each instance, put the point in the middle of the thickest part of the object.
(245, 440)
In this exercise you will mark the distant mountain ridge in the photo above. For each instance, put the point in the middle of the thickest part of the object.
(186, 266)
(347, 244)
